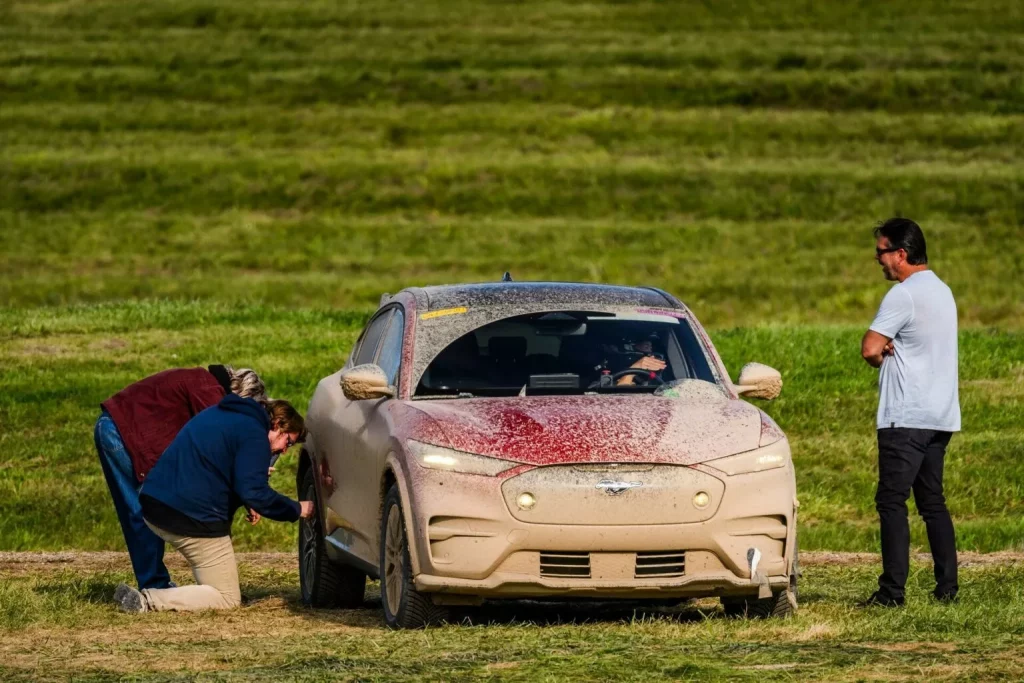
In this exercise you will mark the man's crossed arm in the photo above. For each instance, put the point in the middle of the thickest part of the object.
(874, 347)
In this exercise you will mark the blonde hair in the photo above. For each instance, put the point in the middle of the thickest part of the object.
(285, 418)
(247, 384)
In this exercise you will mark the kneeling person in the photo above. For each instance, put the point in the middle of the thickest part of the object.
(137, 425)
(217, 463)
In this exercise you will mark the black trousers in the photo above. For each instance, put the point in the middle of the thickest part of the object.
(912, 459)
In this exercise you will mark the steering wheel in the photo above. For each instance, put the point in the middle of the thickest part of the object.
(649, 375)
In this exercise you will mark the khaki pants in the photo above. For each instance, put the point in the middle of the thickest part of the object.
(213, 565)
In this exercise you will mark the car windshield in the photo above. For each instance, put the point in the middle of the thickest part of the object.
(567, 352)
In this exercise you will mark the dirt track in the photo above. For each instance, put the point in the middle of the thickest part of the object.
(15, 563)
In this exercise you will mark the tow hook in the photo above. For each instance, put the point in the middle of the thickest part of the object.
(764, 589)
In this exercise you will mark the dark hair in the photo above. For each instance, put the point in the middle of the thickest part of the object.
(905, 234)
(284, 417)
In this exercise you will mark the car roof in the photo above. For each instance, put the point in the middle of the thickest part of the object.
(519, 293)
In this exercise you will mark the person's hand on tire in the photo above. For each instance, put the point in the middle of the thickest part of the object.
(307, 509)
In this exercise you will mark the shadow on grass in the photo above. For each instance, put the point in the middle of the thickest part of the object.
(556, 613)
(507, 612)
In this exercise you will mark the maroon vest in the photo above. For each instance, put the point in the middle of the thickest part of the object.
(151, 412)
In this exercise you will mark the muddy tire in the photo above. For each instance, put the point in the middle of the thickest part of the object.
(780, 605)
(404, 606)
(323, 583)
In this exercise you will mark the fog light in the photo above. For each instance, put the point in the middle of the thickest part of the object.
(701, 500)
(526, 501)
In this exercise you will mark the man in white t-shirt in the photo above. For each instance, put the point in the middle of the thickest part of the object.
(913, 340)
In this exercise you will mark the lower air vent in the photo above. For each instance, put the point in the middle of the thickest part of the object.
(660, 565)
(565, 565)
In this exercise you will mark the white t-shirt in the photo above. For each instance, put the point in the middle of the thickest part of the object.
(918, 384)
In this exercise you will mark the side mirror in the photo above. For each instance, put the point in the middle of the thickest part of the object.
(365, 382)
(759, 381)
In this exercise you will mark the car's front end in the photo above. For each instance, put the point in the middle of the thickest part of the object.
(701, 516)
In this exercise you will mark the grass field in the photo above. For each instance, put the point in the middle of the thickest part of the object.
(61, 625)
(190, 182)
(58, 364)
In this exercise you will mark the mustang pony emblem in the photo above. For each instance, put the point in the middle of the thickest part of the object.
(614, 488)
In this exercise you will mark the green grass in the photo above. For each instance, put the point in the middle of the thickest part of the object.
(192, 182)
(731, 273)
(63, 624)
(58, 364)
(199, 181)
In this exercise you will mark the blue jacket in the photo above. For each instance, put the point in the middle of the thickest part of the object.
(218, 462)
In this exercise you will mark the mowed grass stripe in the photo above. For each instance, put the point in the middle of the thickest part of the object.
(731, 273)
(586, 54)
(996, 16)
(496, 47)
(58, 364)
(630, 136)
(512, 162)
(515, 157)
(611, 126)
(541, 186)
(901, 91)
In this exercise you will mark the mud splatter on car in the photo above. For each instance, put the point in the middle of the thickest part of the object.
(511, 440)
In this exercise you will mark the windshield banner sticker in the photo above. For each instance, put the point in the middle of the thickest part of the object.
(443, 312)
(654, 311)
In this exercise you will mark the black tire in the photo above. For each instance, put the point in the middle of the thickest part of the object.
(322, 582)
(781, 605)
(404, 606)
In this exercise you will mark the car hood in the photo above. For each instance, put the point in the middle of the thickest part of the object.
(545, 430)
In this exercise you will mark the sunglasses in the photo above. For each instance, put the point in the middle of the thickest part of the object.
(879, 252)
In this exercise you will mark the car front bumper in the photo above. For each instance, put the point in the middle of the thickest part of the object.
(468, 541)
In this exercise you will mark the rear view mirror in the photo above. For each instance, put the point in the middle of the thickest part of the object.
(365, 382)
(759, 381)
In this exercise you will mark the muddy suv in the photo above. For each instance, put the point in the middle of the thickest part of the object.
(514, 440)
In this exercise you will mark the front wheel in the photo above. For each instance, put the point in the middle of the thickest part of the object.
(404, 606)
(323, 583)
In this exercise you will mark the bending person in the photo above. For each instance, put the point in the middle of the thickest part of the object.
(217, 463)
(136, 425)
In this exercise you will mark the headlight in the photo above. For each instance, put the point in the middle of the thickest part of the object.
(438, 458)
(758, 460)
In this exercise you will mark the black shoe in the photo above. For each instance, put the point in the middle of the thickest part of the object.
(946, 598)
(877, 599)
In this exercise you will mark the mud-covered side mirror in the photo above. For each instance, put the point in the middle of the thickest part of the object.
(759, 381)
(365, 382)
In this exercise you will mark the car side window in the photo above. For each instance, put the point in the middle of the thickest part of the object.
(368, 349)
(390, 356)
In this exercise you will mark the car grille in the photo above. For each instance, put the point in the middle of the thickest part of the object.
(660, 565)
(564, 565)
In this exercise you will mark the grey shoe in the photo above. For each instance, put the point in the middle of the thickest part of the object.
(121, 591)
(129, 599)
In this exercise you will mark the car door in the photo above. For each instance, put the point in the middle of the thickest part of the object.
(353, 499)
(373, 439)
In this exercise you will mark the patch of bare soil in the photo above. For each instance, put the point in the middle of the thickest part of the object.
(21, 563)
(913, 647)
(966, 559)
(203, 641)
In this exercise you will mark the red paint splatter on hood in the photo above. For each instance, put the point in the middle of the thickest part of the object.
(544, 430)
